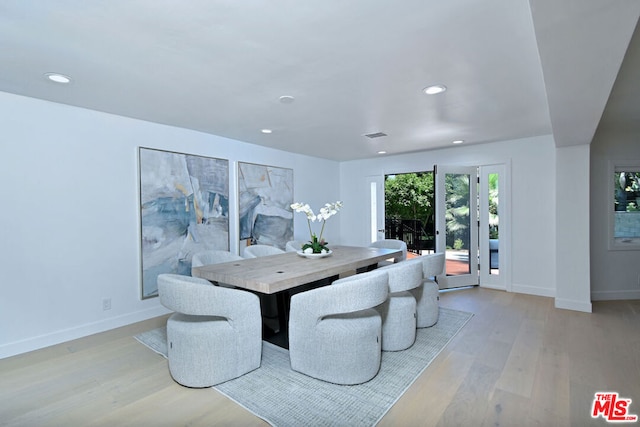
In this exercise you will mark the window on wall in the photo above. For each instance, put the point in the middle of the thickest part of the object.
(625, 216)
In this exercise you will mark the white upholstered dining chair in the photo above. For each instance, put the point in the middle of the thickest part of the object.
(399, 310)
(294, 245)
(391, 244)
(215, 333)
(428, 296)
(334, 331)
(213, 257)
(255, 251)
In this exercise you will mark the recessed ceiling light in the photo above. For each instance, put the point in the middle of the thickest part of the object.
(287, 99)
(382, 152)
(458, 141)
(434, 89)
(266, 131)
(58, 78)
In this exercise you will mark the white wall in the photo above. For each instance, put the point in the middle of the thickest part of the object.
(614, 274)
(572, 226)
(533, 248)
(70, 233)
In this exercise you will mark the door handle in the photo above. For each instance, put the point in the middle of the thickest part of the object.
(381, 230)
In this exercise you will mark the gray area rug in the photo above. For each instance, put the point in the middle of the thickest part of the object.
(283, 397)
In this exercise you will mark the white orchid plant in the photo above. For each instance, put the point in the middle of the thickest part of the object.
(317, 244)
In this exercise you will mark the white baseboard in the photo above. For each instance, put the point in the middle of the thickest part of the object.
(614, 295)
(573, 305)
(42, 341)
(494, 287)
(532, 290)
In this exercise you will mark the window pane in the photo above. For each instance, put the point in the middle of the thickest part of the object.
(494, 234)
(626, 228)
(409, 210)
(458, 224)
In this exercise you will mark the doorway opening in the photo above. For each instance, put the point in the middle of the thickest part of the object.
(457, 224)
(410, 215)
(455, 211)
(410, 211)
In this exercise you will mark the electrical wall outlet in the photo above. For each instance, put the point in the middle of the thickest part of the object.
(106, 304)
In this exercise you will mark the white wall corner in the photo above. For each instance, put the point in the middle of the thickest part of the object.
(573, 278)
(567, 304)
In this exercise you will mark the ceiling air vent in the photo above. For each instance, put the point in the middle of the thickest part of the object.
(375, 135)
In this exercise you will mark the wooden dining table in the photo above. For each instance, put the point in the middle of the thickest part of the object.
(284, 274)
(281, 272)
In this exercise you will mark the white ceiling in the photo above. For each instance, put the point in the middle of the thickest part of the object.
(513, 68)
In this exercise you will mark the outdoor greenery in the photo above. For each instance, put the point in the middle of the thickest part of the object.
(457, 212)
(409, 209)
(493, 206)
(410, 196)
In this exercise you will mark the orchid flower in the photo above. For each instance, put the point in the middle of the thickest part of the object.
(317, 244)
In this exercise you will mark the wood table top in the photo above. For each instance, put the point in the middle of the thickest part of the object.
(275, 273)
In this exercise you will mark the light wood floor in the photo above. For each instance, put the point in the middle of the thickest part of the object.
(518, 362)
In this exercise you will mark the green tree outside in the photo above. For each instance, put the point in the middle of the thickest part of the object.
(457, 212)
(409, 196)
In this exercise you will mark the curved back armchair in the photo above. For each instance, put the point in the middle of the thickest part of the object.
(255, 251)
(427, 296)
(294, 245)
(433, 265)
(391, 244)
(213, 257)
(334, 332)
(399, 310)
(215, 333)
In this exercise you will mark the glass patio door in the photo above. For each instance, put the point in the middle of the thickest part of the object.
(457, 224)
(494, 226)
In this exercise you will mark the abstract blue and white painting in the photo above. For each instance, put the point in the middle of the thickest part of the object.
(184, 209)
(265, 194)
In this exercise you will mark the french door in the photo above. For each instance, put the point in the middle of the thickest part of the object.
(494, 207)
(457, 224)
(472, 223)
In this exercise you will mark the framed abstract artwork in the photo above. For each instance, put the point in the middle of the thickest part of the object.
(184, 209)
(265, 194)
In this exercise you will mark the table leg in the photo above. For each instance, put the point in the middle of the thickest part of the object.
(283, 303)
